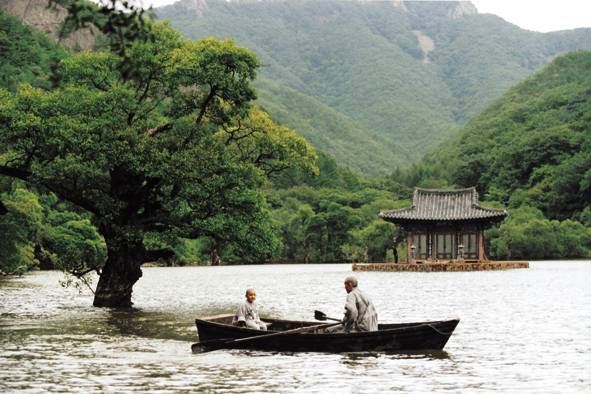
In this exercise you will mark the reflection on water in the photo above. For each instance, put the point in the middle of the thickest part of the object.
(521, 330)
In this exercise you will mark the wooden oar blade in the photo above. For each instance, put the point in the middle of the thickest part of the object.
(322, 316)
(199, 348)
(319, 315)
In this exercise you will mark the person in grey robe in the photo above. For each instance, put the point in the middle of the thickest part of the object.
(247, 314)
(360, 313)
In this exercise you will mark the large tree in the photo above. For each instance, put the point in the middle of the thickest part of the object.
(162, 143)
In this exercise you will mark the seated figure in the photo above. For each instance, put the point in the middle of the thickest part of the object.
(247, 314)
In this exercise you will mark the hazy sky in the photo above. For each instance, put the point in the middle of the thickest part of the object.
(538, 15)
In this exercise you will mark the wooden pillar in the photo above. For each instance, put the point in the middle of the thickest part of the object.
(457, 242)
(408, 245)
(458, 251)
(481, 255)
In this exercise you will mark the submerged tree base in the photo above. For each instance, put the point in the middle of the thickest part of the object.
(112, 300)
(116, 282)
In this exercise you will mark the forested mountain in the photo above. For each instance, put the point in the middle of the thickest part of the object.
(530, 151)
(376, 84)
(533, 144)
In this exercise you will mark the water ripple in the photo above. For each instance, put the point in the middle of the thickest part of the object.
(521, 331)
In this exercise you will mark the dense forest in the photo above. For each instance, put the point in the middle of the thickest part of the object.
(376, 84)
(94, 156)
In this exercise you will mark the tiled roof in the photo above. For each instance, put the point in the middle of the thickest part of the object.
(434, 204)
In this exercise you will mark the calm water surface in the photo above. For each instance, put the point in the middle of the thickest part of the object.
(521, 331)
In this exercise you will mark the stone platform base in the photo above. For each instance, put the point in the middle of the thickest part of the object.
(441, 266)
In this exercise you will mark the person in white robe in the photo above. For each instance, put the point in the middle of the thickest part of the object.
(360, 313)
(247, 314)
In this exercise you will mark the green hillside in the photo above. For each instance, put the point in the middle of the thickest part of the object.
(363, 61)
(325, 127)
(533, 144)
(529, 151)
(27, 56)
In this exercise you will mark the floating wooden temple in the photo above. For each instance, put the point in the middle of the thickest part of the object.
(444, 232)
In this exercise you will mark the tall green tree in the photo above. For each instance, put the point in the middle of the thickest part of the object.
(20, 229)
(144, 151)
(68, 240)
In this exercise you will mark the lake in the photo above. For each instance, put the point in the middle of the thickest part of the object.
(526, 330)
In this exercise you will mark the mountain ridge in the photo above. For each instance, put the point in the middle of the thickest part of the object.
(364, 60)
(387, 82)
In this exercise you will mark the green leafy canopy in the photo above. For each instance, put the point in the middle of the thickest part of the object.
(167, 148)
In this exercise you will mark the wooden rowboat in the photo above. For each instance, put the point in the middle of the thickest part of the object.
(217, 332)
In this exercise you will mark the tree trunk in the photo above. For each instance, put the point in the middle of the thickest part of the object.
(121, 271)
(215, 253)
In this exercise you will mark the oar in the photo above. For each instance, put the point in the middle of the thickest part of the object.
(322, 316)
(222, 343)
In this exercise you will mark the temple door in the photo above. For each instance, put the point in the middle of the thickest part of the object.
(444, 246)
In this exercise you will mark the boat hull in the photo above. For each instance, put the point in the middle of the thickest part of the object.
(421, 336)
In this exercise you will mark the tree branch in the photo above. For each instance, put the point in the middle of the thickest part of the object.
(69, 195)
(15, 172)
(158, 129)
(202, 111)
(233, 137)
(79, 274)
